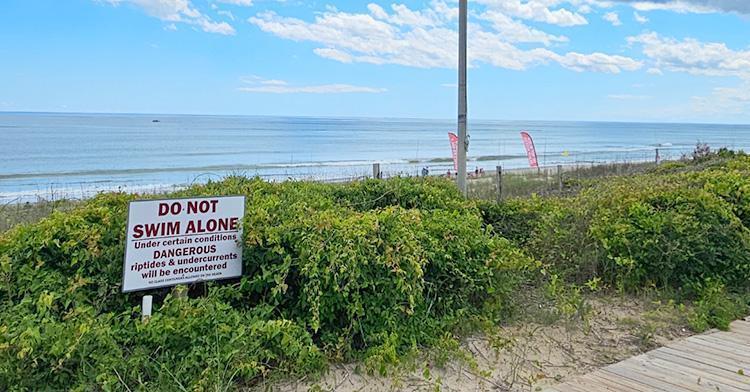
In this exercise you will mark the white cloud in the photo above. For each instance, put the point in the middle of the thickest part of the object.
(244, 3)
(178, 11)
(377, 11)
(613, 18)
(222, 28)
(536, 10)
(428, 39)
(678, 6)
(442, 8)
(256, 84)
(691, 6)
(171, 10)
(515, 31)
(598, 62)
(735, 93)
(334, 54)
(681, 7)
(404, 16)
(274, 82)
(585, 9)
(640, 18)
(702, 58)
(723, 101)
(227, 14)
(694, 57)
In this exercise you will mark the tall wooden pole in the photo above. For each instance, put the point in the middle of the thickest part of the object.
(463, 144)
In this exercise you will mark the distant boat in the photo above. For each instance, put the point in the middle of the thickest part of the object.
(155, 121)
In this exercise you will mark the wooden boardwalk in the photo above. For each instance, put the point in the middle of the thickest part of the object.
(715, 361)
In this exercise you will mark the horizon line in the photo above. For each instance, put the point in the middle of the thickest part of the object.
(27, 112)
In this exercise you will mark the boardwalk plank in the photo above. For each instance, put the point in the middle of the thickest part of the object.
(720, 372)
(595, 384)
(576, 387)
(725, 382)
(716, 361)
(599, 384)
(699, 348)
(628, 384)
(740, 333)
(685, 377)
(741, 327)
(723, 345)
(706, 358)
(733, 337)
(654, 377)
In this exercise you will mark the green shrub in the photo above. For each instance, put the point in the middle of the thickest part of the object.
(77, 253)
(341, 276)
(730, 185)
(353, 279)
(715, 307)
(674, 239)
(342, 271)
(469, 268)
(554, 231)
(563, 241)
(195, 344)
(514, 219)
(41, 351)
(672, 227)
(421, 193)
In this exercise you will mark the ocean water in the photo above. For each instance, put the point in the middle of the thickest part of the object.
(76, 155)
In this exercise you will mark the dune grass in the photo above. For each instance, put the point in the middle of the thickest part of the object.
(13, 214)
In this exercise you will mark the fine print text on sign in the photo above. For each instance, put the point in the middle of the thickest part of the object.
(179, 241)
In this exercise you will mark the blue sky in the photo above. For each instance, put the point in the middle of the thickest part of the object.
(669, 60)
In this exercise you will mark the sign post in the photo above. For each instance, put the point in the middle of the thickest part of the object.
(180, 241)
(146, 304)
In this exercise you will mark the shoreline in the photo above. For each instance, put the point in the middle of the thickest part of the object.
(516, 182)
(81, 190)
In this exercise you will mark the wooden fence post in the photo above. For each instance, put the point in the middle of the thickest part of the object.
(559, 178)
(499, 183)
(376, 171)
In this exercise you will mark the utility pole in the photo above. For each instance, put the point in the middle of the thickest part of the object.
(463, 142)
